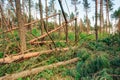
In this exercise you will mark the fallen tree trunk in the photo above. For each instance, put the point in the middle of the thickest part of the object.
(36, 70)
(44, 42)
(44, 35)
(11, 59)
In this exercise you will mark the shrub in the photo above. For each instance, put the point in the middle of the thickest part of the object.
(35, 32)
(1, 54)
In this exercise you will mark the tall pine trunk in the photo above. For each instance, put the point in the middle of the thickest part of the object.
(21, 26)
(41, 16)
(46, 8)
(101, 16)
(96, 28)
(29, 26)
(107, 16)
(87, 22)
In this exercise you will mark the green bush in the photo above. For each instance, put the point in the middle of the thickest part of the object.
(60, 44)
(116, 61)
(35, 32)
(89, 64)
(99, 46)
(71, 36)
(1, 54)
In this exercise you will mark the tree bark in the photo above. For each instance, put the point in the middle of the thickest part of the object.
(21, 26)
(87, 21)
(81, 25)
(46, 8)
(37, 70)
(29, 26)
(96, 27)
(11, 59)
(107, 17)
(41, 16)
(101, 16)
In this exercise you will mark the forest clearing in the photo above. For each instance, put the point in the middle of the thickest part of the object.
(55, 40)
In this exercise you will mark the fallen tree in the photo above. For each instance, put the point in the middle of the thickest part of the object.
(45, 42)
(10, 59)
(44, 35)
(36, 70)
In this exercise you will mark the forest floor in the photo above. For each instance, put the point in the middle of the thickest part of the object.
(97, 60)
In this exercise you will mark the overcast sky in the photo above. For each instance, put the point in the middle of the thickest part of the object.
(81, 9)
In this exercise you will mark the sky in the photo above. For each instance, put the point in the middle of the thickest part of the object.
(81, 9)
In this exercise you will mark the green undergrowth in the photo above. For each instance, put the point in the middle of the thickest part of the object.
(45, 59)
(98, 60)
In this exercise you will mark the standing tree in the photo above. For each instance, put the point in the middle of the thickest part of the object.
(46, 10)
(21, 26)
(109, 5)
(116, 15)
(86, 8)
(41, 16)
(75, 3)
(101, 16)
(29, 20)
(96, 27)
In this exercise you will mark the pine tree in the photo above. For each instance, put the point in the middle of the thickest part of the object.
(86, 5)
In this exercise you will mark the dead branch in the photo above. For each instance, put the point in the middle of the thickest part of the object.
(37, 70)
(11, 59)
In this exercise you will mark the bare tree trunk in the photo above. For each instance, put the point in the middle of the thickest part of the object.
(96, 27)
(81, 25)
(29, 20)
(46, 7)
(11, 59)
(37, 70)
(88, 27)
(21, 26)
(101, 16)
(118, 26)
(41, 16)
(107, 17)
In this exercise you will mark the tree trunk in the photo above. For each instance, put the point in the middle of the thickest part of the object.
(29, 26)
(81, 25)
(46, 7)
(41, 16)
(21, 26)
(101, 16)
(107, 17)
(37, 70)
(88, 27)
(11, 59)
(96, 27)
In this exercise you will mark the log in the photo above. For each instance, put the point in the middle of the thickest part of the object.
(10, 59)
(44, 35)
(44, 42)
(37, 70)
